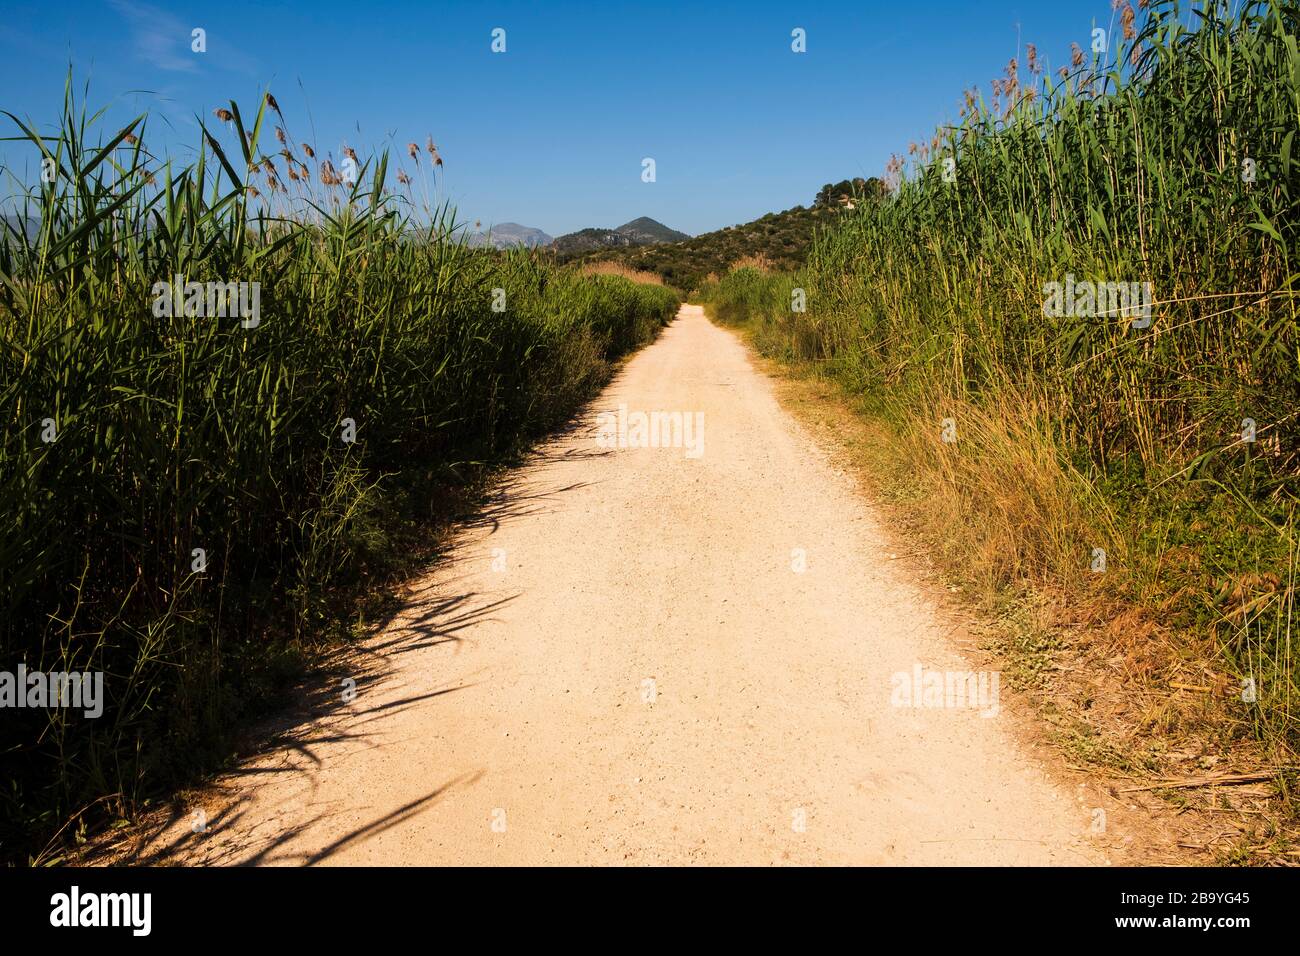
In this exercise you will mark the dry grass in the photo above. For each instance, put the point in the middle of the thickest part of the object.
(1117, 688)
(618, 269)
(1024, 514)
(757, 262)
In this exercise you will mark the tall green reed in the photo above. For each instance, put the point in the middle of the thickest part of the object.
(177, 434)
(1169, 160)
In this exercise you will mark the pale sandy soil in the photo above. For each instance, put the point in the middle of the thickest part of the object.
(506, 715)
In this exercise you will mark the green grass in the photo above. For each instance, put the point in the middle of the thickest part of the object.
(187, 433)
(1083, 432)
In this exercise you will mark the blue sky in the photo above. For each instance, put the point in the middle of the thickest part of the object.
(552, 132)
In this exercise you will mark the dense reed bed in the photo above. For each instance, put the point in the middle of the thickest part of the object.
(1035, 429)
(181, 495)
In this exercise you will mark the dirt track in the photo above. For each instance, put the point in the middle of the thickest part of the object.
(643, 656)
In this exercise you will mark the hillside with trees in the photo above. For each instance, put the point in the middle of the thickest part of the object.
(780, 239)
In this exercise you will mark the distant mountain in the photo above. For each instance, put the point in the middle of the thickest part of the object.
(780, 239)
(645, 230)
(639, 232)
(589, 240)
(506, 234)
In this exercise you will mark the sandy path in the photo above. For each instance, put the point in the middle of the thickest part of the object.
(509, 718)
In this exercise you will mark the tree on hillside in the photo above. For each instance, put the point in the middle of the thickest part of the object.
(848, 189)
